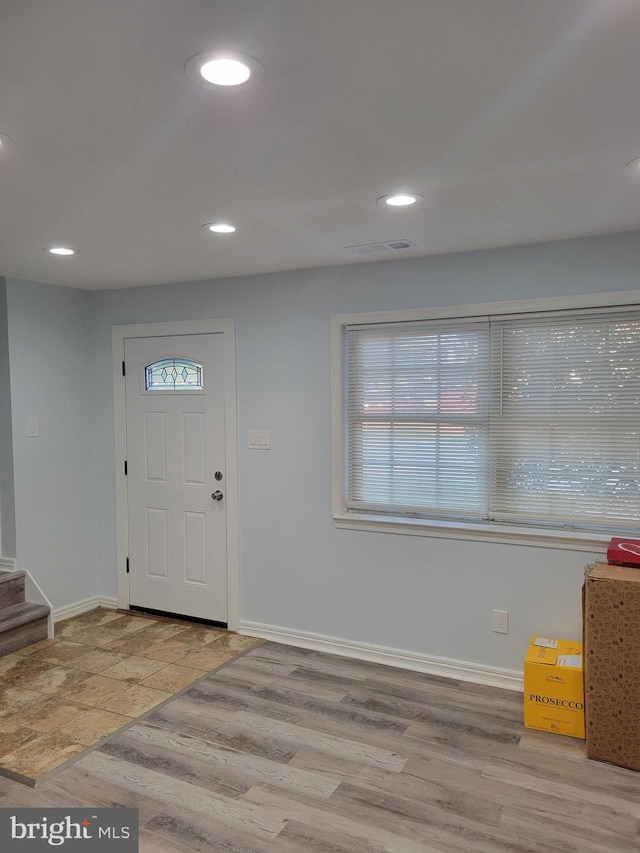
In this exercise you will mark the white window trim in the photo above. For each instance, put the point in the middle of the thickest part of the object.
(499, 533)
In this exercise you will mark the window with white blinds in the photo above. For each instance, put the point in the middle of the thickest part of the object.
(525, 419)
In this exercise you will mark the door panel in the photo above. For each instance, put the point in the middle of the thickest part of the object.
(175, 443)
(193, 429)
(155, 445)
(157, 553)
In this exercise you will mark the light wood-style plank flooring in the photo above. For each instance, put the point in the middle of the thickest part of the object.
(290, 750)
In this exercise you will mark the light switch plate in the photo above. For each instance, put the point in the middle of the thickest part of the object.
(259, 439)
(32, 428)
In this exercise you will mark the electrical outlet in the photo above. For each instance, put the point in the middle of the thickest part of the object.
(501, 621)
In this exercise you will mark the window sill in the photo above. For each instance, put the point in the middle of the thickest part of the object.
(568, 540)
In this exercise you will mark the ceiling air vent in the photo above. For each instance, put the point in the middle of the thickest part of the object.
(388, 248)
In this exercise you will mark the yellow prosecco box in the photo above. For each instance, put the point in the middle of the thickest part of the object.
(554, 687)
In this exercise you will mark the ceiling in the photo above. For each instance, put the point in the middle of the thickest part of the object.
(513, 119)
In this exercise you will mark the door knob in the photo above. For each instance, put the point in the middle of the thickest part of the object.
(217, 495)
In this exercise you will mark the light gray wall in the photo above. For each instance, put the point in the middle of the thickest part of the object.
(7, 508)
(50, 366)
(426, 595)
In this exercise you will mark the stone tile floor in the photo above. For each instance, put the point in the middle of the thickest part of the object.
(105, 668)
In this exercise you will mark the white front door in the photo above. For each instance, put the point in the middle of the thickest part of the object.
(175, 450)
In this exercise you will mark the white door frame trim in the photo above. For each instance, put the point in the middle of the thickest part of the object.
(153, 330)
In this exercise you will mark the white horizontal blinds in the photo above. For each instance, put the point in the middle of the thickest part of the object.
(565, 421)
(417, 413)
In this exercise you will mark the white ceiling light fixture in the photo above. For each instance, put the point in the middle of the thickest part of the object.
(225, 69)
(400, 199)
(225, 72)
(60, 250)
(220, 227)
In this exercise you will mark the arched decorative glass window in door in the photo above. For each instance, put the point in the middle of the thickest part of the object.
(173, 374)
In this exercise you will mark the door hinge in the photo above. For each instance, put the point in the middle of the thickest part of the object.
(124, 373)
(127, 565)
(125, 468)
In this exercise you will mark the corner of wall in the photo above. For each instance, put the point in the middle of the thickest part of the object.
(7, 497)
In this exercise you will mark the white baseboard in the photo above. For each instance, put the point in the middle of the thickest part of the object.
(7, 564)
(460, 670)
(69, 610)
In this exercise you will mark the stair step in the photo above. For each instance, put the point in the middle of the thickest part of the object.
(11, 589)
(21, 625)
(21, 614)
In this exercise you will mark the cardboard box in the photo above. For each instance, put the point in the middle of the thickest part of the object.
(624, 552)
(612, 664)
(554, 687)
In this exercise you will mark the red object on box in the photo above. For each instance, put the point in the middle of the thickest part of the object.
(624, 552)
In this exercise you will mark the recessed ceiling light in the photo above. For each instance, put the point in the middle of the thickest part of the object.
(634, 167)
(225, 72)
(60, 250)
(400, 199)
(226, 69)
(220, 227)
